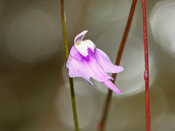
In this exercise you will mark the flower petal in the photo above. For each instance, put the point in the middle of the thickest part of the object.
(112, 87)
(95, 70)
(80, 37)
(86, 67)
(106, 63)
(76, 67)
(74, 53)
(83, 46)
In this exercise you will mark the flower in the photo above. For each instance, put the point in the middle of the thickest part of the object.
(85, 60)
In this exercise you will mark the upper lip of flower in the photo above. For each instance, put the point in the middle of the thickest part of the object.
(80, 37)
(85, 60)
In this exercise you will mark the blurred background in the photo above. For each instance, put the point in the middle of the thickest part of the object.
(34, 91)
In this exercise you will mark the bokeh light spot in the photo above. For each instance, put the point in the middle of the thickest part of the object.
(30, 36)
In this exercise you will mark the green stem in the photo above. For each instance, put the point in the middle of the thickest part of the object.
(101, 125)
(63, 19)
(74, 110)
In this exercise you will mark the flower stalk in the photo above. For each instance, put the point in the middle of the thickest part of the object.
(146, 72)
(101, 125)
(74, 110)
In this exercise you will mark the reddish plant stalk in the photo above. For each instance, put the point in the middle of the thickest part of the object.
(117, 62)
(146, 72)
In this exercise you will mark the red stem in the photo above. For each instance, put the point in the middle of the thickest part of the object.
(117, 62)
(146, 72)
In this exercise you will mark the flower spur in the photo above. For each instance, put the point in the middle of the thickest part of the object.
(85, 60)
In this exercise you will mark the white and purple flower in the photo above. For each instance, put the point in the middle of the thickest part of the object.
(85, 60)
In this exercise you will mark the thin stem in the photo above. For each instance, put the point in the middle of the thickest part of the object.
(74, 104)
(146, 72)
(117, 62)
(74, 110)
(63, 19)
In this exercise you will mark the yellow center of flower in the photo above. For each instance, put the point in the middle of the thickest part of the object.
(80, 42)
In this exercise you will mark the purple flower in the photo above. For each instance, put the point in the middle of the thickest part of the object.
(85, 60)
